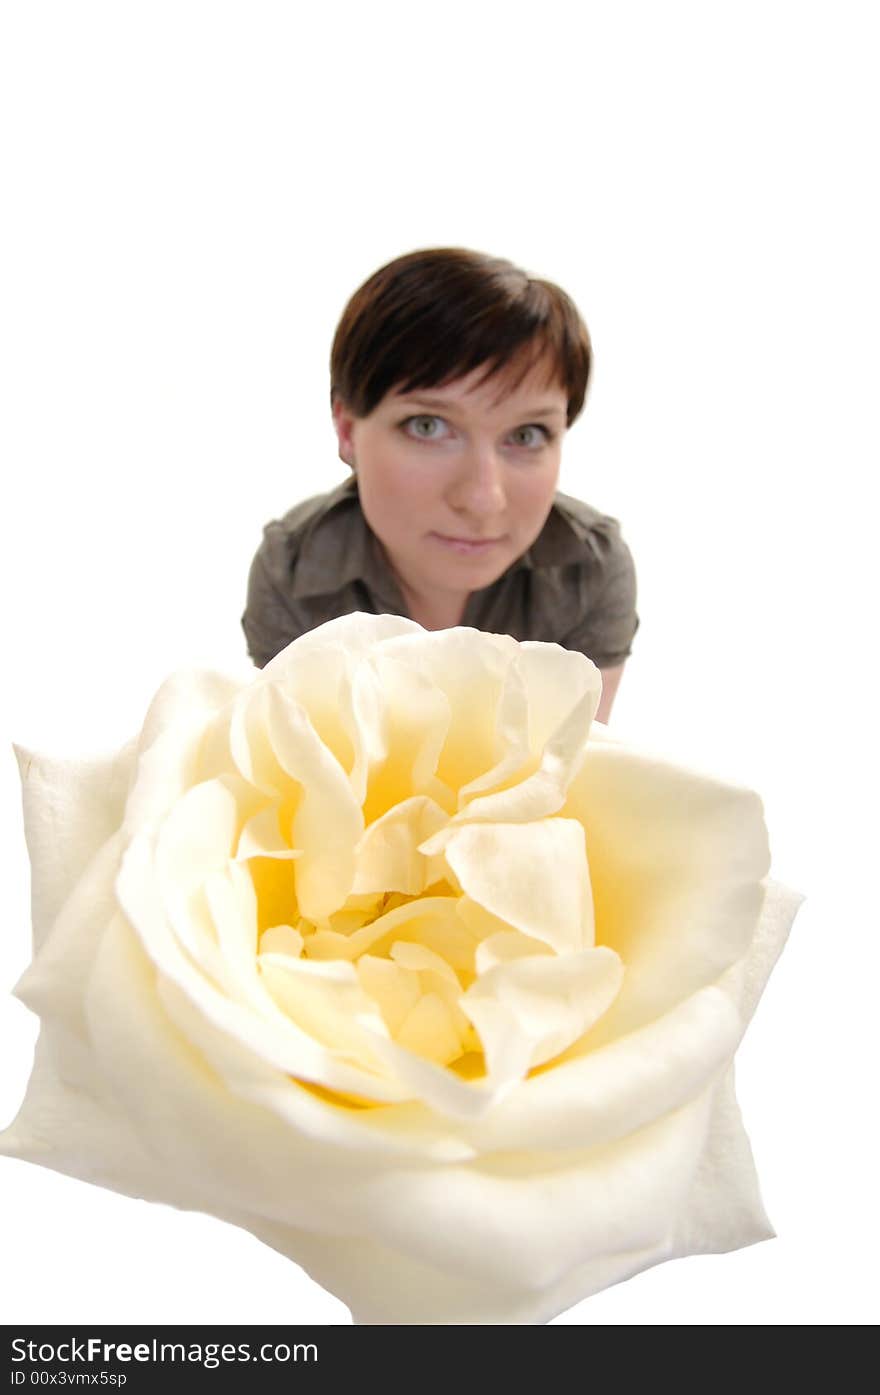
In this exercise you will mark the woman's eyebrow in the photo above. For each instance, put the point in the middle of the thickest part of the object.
(545, 412)
(445, 405)
(425, 400)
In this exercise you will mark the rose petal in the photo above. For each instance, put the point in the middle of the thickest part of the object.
(71, 808)
(328, 822)
(534, 877)
(778, 910)
(55, 983)
(231, 903)
(332, 676)
(196, 1004)
(249, 1136)
(261, 836)
(600, 1096)
(421, 959)
(353, 637)
(542, 793)
(277, 749)
(64, 1125)
(281, 939)
(431, 920)
(510, 1243)
(195, 842)
(504, 946)
(171, 746)
(326, 1001)
(414, 717)
(469, 668)
(451, 1096)
(512, 743)
(417, 1293)
(723, 1210)
(539, 1006)
(387, 857)
(526, 1216)
(676, 863)
(557, 683)
(549, 701)
(429, 1029)
(189, 697)
(394, 990)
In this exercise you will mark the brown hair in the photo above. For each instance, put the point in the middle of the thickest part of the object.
(431, 317)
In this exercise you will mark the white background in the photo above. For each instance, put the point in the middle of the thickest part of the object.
(192, 192)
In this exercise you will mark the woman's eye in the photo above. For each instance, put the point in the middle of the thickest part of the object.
(426, 428)
(530, 436)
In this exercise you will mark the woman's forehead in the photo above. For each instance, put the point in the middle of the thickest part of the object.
(536, 383)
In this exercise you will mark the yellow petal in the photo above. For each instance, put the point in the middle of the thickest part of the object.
(327, 1001)
(261, 836)
(327, 823)
(533, 876)
(393, 988)
(387, 856)
(549, 1001)
(281, 939)
(677, 860)
(428, 1030)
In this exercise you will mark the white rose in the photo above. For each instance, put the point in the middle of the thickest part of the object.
(391, 958)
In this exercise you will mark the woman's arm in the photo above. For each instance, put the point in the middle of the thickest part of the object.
(610, 683)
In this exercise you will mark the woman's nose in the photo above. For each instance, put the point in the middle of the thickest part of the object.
(478, 487)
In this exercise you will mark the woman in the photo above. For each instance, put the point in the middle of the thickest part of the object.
(454, 377)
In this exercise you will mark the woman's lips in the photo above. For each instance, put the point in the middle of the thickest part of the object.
(467, 547)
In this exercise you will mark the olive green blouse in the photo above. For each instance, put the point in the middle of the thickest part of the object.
(575, 586)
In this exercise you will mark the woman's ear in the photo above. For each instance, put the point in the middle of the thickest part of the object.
(343, 421)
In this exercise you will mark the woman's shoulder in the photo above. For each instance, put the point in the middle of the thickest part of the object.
(578, 535)
(297, 561)
(586, 592)
(308, 513)
(285, 538)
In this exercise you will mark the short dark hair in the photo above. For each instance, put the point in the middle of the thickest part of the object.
(430, 317)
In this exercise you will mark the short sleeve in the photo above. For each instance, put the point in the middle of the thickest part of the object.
(268, 623)
(608, 623)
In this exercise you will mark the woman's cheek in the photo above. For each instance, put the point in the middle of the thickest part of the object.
(531, 490)
(397, 491)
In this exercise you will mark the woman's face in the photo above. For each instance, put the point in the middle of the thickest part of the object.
(457, 481)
